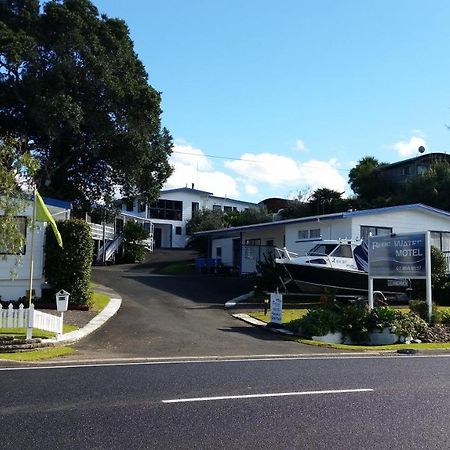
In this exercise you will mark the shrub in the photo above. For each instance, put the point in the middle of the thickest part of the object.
(70, 268)
(381, 317)
(270, 272)
(438, 278)
(133, 235)
(319, 322)
(420, 307)
(354, 323)
(445, 318)
(410, 325)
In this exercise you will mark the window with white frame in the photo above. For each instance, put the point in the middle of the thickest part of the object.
(367, 231)
(308, 234)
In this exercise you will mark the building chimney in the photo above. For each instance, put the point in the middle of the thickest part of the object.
(192, 186)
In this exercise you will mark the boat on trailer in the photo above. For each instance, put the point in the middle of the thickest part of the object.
(335, 264)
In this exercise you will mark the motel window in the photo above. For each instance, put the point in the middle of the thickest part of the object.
(367, 231)
(178, 231)
(195, 207)
(303, 234)
(141, 206)
(166, 210)
(219, 252)
(227, 209)
(129, 206)
(217, 208)
(309, 234)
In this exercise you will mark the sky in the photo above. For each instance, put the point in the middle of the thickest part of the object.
(275, 98)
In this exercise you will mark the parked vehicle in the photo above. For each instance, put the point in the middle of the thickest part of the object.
(336, 264)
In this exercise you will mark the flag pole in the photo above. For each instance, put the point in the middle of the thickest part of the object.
(33, 223)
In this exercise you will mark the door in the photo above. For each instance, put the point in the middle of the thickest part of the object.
(237, 253)
(157, 237)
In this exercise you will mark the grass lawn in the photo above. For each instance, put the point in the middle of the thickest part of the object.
(178, 268)
(37, 355)
(288, 315)
(21, 332)
(98, 301)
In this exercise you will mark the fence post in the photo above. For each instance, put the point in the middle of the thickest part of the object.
(20, 315)
(30, 321)
(9, 321)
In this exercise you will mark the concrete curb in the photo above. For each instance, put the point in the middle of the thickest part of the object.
(233, 302)
(260, 323)
(110, 310)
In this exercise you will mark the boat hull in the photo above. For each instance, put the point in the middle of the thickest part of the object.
(313, 279)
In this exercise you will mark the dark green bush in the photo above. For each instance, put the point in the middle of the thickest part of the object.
(319, 322)
(381, 317)
(354, 323)
(270, 274)
(420, 307)
(133, 235)
(70, 268)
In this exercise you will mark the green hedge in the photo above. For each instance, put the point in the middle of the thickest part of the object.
(70, 268)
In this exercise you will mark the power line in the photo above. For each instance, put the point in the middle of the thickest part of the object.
(312, 166)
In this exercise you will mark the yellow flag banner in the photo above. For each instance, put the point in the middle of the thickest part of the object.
(43, 215)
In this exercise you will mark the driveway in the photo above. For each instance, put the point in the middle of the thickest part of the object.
(178, 316)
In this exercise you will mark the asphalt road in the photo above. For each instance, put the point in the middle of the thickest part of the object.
(177, 316)
(396, 402)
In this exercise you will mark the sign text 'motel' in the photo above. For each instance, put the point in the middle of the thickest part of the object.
(397, 256)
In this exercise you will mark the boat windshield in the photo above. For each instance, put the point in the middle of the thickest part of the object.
(322, 249)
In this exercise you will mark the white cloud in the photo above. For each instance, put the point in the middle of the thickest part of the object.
(408, 148)
(193, 166)
(300, 146)
(279, 171)
(251, 189)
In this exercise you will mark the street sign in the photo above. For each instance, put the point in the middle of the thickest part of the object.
(397, 256)
(276, 308)
(400, 256)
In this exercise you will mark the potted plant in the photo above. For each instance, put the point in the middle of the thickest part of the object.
(321, 325)
(381, 325)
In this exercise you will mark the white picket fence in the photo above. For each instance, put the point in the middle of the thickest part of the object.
(30, 318)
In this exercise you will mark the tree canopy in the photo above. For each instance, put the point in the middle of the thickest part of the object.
(16, 170)
(432, 188)
(73, 90)
(320, 201)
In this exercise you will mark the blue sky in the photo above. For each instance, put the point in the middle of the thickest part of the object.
(295, 91)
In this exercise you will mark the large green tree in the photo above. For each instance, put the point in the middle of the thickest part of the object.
(431, 188)
(74, 91)
(368, 184)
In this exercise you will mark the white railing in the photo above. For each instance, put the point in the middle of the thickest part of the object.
(97, 232)
(29, 318)
(110, 249)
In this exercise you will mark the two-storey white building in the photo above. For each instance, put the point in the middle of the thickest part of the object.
(174, 208)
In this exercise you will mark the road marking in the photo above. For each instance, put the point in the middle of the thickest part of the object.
(207, 360)
(280, 394)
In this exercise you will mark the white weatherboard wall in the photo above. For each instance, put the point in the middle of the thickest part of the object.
(403, 221)
(329, 229)
(227, 250)
(168, 228)
(15, 270)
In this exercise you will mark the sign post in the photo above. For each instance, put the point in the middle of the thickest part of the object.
(400, 256)
(276, 307)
